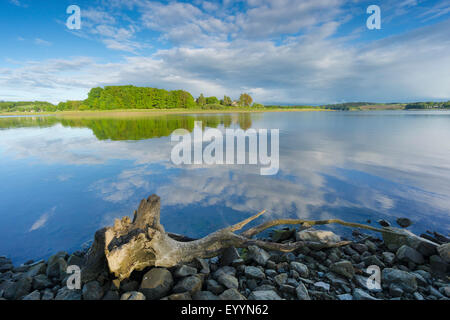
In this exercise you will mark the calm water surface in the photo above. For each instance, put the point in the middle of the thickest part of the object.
(61, 179)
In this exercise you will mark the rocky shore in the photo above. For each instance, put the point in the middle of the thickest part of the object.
(409, 270)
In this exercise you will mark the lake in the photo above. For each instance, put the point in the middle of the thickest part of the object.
(62, 178)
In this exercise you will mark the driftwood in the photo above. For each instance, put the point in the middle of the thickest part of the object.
(143, 242)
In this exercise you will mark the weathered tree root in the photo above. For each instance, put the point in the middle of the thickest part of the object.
(258, 229)
(143, 242)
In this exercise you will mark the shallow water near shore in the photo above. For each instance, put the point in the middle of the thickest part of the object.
(62, 178)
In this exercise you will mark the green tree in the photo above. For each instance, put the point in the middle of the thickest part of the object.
(212, 100)
(201, 101)
(227, 101)
(245, 100)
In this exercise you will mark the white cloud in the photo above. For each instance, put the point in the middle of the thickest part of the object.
(42, 42)
(42, 221)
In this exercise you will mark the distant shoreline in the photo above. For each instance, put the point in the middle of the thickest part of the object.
(138, 112)
(141, 112)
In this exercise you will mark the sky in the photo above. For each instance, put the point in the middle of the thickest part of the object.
(279, 51)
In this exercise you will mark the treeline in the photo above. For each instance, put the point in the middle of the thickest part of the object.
(26, 106)
(131, 97)
(347, 106)
(428, 105)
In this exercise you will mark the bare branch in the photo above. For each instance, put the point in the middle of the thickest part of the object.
(260, 228)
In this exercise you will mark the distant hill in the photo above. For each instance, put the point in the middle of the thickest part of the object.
(428, 105)
(365, 106)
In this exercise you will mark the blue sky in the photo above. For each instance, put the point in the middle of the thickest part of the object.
(280, 51)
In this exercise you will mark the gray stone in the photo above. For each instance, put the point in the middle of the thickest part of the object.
(228, 281)
(425, 274)
(133, 295)
(317, 236)
(435, 292)
(345, 297)
(260, 256)
(190, 284)
(292, 282)
(421, 281)
(68, 294)
(111, 295)
(270, 273)
(228, 256)
(180, 296)
(5, 260)
(6, 267)
(56, 268)
(47, 295)
(129, 285)
(344, 268)
(373, 260)
(41, 282)
(395, 291)
(335, 280)
(322, 285)
(288, 289)
(408, 254)
(388, 257)
(238, 262)
(203, 265)
(254, 272)
(35, 295)
(205, 295)
(271, 265)
(404, 280)
(264, 287)
(21, 269)
(280, 279)
(359, 294)
(444, 252)
(224, 270)
(300, 268)
(251, 284)
(19, 289)
(363, 283)
(156, 283)
(418, 296)
(438, 265)
(39, 268)
(264, 295)
(214, 286)
(232, 294)
(184, 271)
(384, 223)
(75, 260)
(399, 237)
(404, 222)
(92, 291)
(302, 292)
(361, 248)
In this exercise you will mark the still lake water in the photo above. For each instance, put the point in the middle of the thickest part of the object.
(61, 179)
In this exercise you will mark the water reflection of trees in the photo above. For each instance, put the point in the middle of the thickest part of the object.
(132, 128)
